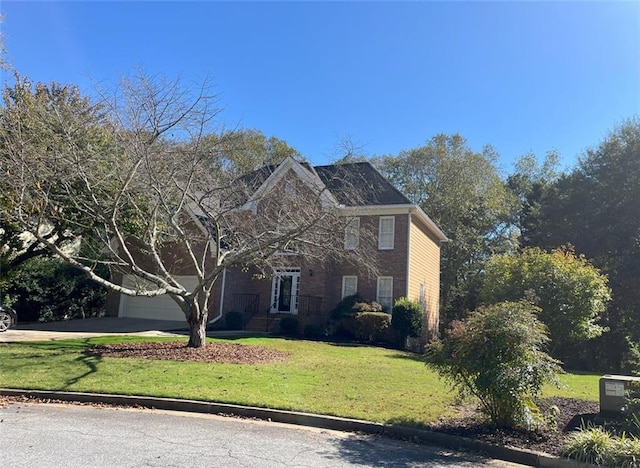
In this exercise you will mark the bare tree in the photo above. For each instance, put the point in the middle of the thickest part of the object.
(135, 179)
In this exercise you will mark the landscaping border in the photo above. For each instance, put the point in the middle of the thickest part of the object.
(510, 454)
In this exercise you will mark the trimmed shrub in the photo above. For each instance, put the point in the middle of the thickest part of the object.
(313, 330)
(370, 326)
(289, 326)
(496, 355)
(363, 306)
(407, 319)
(345, 307)
(234, 320)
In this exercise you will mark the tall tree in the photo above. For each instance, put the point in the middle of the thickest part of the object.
(40, 124)
(244, 150)
(528, 183)
(137, 183)
(595, 208)
(461, 190)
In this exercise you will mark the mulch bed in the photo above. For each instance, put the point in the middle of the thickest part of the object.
(573, 414)
(214, 352)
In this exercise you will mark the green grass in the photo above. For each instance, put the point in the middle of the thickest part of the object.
(346, 380)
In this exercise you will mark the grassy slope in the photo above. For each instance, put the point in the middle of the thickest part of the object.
(346, 380)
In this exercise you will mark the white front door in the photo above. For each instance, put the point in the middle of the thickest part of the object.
(284, 291)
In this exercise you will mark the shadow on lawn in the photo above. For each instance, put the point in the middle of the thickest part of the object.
(45, 349)
(89, 359)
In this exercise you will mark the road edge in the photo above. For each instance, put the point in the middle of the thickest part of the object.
(510, 454)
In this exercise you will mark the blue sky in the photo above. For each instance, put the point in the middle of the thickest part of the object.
(520, 76)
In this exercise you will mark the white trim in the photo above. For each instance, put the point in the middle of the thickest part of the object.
(396, 209)
(344, 283)
(384, 245)
(310, 178)
(295, 274)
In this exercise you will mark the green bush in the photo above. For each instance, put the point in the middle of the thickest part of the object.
(407, 318)
(289, 326)
(370, 326)
(496, 355)
(234, 320)
(572, 294)
(45, 289)
(313, 330)
(364, 306)
(345, 307)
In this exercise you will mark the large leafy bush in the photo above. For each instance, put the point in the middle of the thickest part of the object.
(45, 289)
(497, 355)
(572, 294)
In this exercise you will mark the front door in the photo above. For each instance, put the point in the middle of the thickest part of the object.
(284, 291)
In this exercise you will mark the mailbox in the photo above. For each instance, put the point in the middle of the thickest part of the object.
(613, 393)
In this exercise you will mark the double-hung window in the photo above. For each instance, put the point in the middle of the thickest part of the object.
(352, 234)
(386, 232)
(384, 295)
(349, 286)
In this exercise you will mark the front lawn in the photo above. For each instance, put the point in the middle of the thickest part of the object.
(346, 380)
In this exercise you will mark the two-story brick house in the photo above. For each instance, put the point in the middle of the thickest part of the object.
(404, 240)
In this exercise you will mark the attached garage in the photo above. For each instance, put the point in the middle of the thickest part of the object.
(154, 308)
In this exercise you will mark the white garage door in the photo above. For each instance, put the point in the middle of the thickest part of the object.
(156, 308)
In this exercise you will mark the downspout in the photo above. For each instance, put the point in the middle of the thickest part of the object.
(224, 280)
(408, 256)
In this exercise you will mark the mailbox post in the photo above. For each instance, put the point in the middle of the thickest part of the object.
(613, 391)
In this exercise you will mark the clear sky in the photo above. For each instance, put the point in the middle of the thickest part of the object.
(522, 77)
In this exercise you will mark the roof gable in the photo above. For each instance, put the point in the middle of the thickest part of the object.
(268, 177)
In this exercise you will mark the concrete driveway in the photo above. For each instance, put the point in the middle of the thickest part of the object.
(93, 327)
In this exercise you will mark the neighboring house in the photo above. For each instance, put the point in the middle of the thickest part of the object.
(407, 247)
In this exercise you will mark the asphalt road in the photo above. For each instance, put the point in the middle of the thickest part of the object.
(61, 436)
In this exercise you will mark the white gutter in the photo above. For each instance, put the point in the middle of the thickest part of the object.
(224, 280)
(397, 209)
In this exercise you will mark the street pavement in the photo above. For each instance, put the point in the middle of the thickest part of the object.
(66, 436)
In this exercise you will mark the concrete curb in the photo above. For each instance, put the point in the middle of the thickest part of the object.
(510, 454)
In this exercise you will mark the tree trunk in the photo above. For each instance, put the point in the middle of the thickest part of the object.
(197, 331)
(196, 311)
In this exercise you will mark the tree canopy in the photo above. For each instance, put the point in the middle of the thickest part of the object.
(461, 190)
(595, 208)
(135, 181)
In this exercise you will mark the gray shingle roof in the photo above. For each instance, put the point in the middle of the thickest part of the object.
(352, 184)
(359, 184)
